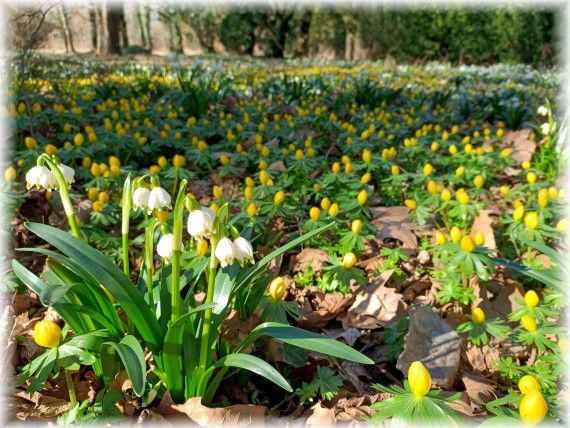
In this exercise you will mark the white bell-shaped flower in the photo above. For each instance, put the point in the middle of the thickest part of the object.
(158, 199)
(201, 223)
(545, 128)
(542, 111)
(243, 251)
(68, 174)
(140, 198)
(164, 247)
(40, 176)
(225, 252)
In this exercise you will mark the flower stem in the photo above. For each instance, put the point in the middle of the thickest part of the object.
(127, 206)
(176, 247)
(204, 351)
(70, 387)
(149, 262)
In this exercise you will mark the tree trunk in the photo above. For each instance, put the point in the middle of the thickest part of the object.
(66, 33)
(101, 31)
(148, 29)
(114, 16)
(142, 27)
(302, 49)
(123, 25)
(178, 37)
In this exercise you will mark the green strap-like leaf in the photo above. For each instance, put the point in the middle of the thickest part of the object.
(256, 365)
(306, 340)
(132, 356)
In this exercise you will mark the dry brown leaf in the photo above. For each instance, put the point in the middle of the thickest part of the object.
(37, 405)
(518, 141)
(505, 302)
(484, 223)
(278, 166)
(317, 258)
(319, 308)
(512, 172)
(350, 335)
(375, 305)
(235, 330)
(354, 409)
(122, 383)
(391, 222)
(479, 388)
(319, 416)
(355, 377)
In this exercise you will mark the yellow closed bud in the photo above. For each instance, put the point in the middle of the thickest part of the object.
(533, 408)
(279, 198)
(299, 154)
(50, 149)
(356, 226)
(528, 383)
(467, 244)
(93, 193)
(504, 189)
(97, 206)
(428, 169)
(531, 220)
(79, 139)
(365, 178)
(505, 153)
(154, 169)
(525, 165)
(460, 171)
(463, 198)
(477, 315)
(411, 204)
(468, 148)
(432, 187)
(202, 146)
(366, 155)
(362, 197)
(262, 165)
(103, 197)
(531, 177)
(263, 177)
(215, 207)
(249, 182)
(446, 195)
(47, 334)
(419, 379)
(542, 199)
(316, 187)
(518, 213)
(345, 159)
(10, 174)
(531, 298)
(325, 203)
(348, 168)
(115, 170)
(218, 192)
(440, 238)
(251, 209)
(453, 149)
(455, 234)
(336, 167)
(552, 192)
(161, 215)
(529, 323)
(21, 163)
(478, 181)
(333, 210)
(95, 170)
(277, 288)
(202, 246)
(314, 213)
(349, 260)
(162, 162)
(31, 143)
(479, 238)
(395, 170)
(178, 161)
(562, 225)
(434, 146)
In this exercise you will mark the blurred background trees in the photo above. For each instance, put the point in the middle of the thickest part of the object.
(504, 34)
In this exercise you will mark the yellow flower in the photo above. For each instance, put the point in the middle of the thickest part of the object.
(479, 238)
(103, 197)
(336, 167)
(459, 171)
(356, 226)
(395, 170)
(432, 187)
(93, 193)
(365, 178)
(419, 379)
(455, 234)
(505, 153)
(79, 139)
(467, 244)
(362, 197)
(161, 215)
(47, 334)
(477, 315)
(434, 146)
(446, 195)
(95, 170)
(178, 161)
(316, 187)
(504, 189)
(349, 260)
(531, 220)
(533, 408)
(10, 174)
(263, 177)
(162, 162)
(411, 204)
(97, 206)
(518, 213)
(314, 213)
(562, 225)
(154, 169)
(531, 298)
(478, 181)
(31, 143)
(453, 149)
(525, 165)
(428, 169)
(251, 209)
(277, 288)
(440, 238)
(201, 246)
(528, 323)
(279, 198)
(333, 210)
(366, 155)
(463, 198)
(528, 383)
(552, 192)
(325, 204)
(531, 177)
(50, 149)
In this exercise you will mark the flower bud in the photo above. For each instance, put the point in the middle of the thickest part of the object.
(162, 162)
(478, 181)
(552, 192)
(395, 170)
(419, 379)
(477, 315)
(432, 187)
(411, 204)
(479, 238)
(531, 220)
(455, 234)
(333, 210)
(529, 323)
(356, 226)
(336, 167)
(362, 197)
(325, 203)
(428, 169)
(366, 155)
(531, 298)
(531, 177)
(316, 187)
(365, 178)
(463, 198)
(446, 195)
(440, 238)
(47, 334)
(218, 192)
(518, 213)
(528, 383)
(31, 143)
(504, 189)
(277, 288)
(314, 213)
(349, 260)
(178, 161)
(251, 209)
(467, 244)
(562, 225)
(10, 174)
(533, 408)
(279, 198)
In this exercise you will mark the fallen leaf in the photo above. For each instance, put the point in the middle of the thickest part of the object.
(319, 308)
(479, 389)
(319, 416)
(518, 141)
(391, 222)
(278, 166)
(122, 383)
(484, 223)
(350, 335)
(431, 341)
(355, 377)
(375, 305)
(354, 409)
(37, 405)
(234, 329)
(317, 258)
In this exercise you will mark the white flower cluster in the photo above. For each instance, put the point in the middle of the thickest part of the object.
(157, 198)
(41, 176)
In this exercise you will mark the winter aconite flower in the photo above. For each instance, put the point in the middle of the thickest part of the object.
(201, 223)
(533, 408)
(158, 199)
(356, 226)
(243, 251)
(349, 260)
(225, 252)
(478, 315)
(531, 298)
(277, 288)
(528, 383)
(529, 323)
(47, 334)
(455, 234)
(314, 213)
(531, 220)
(467, 244)
(411, 204)
(419, 379)
(140, 198)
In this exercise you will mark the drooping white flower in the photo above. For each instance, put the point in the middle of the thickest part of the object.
(542, 111)
(225, 252)
(243, 250)
(201, 223)
(164, 247)
(158, 199)
(40, 176)
(68, 174)
(140, 198)
(545, 128)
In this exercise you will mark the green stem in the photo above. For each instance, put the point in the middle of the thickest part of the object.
(70, 387)
(126, 267)
(465, 280)
(176, 247)
(148, 261)
(127, 206)
(207, 313)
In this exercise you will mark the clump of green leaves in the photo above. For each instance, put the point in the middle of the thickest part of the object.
(325, 384)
